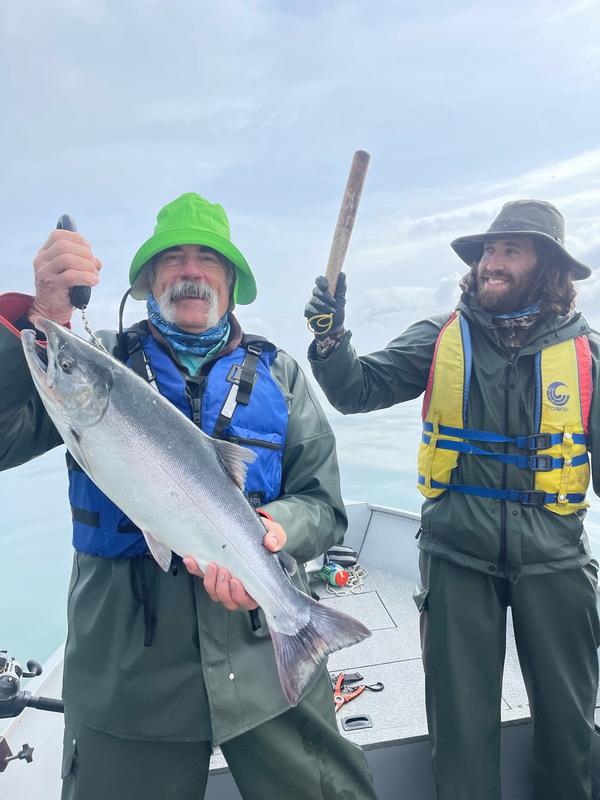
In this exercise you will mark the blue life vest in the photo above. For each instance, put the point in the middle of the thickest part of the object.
(258, 422)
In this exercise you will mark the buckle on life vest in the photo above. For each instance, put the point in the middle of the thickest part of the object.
(540, 463)
(535, 497)
(539, 441)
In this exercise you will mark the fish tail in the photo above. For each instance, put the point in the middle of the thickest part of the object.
(300, 655)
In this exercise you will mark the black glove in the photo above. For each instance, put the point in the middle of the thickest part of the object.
(323, 302)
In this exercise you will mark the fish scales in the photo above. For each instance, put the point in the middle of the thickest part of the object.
(188, 507)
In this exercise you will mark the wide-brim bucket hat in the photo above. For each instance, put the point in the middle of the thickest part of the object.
(535, 218)
(190, 219)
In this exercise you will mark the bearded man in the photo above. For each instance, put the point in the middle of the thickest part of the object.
(510, 383)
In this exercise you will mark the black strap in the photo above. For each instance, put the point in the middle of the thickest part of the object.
(130, 340)
(141, 366)
(92, 518)
(248, 374)
(193, 391)
(241, 387)
(85, 517)
(255, 619)
(142, 591)
(131, 350)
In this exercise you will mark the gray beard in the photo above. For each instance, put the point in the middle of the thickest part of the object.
(199, 289)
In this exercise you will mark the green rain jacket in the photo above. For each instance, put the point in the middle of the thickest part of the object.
(498, 537)
(208, 674)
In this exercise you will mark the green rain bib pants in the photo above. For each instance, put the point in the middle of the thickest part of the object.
(463, 636)
(298, 755)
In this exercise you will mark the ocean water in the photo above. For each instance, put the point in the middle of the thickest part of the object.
(376, 454)
(35, 557)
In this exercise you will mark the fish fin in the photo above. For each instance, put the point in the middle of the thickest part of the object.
(235, 460)
(299, 656)
(161, 552)
(287, 561)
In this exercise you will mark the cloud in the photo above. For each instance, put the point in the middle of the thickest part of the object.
(259, 105)
(565, 12)
(391, 304)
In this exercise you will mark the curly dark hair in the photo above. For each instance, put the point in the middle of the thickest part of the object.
(557, 292)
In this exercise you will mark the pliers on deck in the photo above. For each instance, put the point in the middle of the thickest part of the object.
(341, 697)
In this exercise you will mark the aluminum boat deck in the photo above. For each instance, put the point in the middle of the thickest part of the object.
(392, 727)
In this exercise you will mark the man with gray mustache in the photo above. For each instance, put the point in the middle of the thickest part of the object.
(199, 290)
(157, 666)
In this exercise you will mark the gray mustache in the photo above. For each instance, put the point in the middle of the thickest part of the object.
(197, 290)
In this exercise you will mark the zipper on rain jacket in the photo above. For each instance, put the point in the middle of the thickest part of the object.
(502, 561)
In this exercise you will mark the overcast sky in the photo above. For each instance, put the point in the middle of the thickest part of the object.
(111, 108)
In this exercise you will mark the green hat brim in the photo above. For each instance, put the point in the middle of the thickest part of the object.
(244, 291)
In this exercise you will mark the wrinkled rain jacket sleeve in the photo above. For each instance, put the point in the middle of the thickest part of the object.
(310, 508)
(355, 384)
(26, 430)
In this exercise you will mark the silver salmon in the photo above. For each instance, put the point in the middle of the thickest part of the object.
(182, 488)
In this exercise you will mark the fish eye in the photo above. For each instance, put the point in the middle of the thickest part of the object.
(66, 364)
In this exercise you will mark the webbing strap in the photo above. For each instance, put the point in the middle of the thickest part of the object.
(537, 441)
(532, 497)
(247, 377)
(465, 333)
(241, 388)
(132, 353)
(537, 463)
(141, 366)
(84, 517)
(569, 461)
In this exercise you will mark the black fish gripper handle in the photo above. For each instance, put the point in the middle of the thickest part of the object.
(80, 295)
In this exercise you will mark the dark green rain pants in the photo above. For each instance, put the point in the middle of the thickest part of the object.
(463, 635)
(298, 755)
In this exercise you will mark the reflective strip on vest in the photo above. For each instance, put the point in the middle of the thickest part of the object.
(562, 406)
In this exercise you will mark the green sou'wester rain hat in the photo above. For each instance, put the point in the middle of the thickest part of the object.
(534, 218)
(190, 219)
